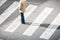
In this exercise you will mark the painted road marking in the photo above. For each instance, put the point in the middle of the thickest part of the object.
(8, 12)
(17, 22)
(39, 20)
(2, 2)
(51, 28)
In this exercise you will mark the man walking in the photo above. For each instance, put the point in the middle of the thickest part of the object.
(22, 9)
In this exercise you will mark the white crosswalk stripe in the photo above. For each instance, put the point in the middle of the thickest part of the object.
(51, 28)
(8, 12)
(1, 39)
(2, 2)
(38, 20)
(59, 39)
(17, 22)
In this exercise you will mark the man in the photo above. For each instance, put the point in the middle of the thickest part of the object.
(22, 9)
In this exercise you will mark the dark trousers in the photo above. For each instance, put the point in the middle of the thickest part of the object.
(22, 18)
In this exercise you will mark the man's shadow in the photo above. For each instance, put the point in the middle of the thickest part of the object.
(43, 25)
(28, 23)
(35, 24)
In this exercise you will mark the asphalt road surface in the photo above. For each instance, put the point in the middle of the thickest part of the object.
(42, 20)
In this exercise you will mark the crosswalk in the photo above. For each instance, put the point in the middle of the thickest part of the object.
(17, 22)
(2, 2)
(51, 28)
(33, 27)
(59, 39)
(1, 39)
(38, 20)
(8, 12)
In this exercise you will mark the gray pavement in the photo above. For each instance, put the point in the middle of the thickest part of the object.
(5, 6)
(17, 34)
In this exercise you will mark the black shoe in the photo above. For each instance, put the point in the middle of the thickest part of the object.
(23, 23)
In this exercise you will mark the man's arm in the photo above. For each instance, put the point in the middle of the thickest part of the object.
(22, 5)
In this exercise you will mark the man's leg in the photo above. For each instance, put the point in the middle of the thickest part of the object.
(22, 18)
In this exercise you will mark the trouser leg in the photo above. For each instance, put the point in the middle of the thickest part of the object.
(22, 18)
